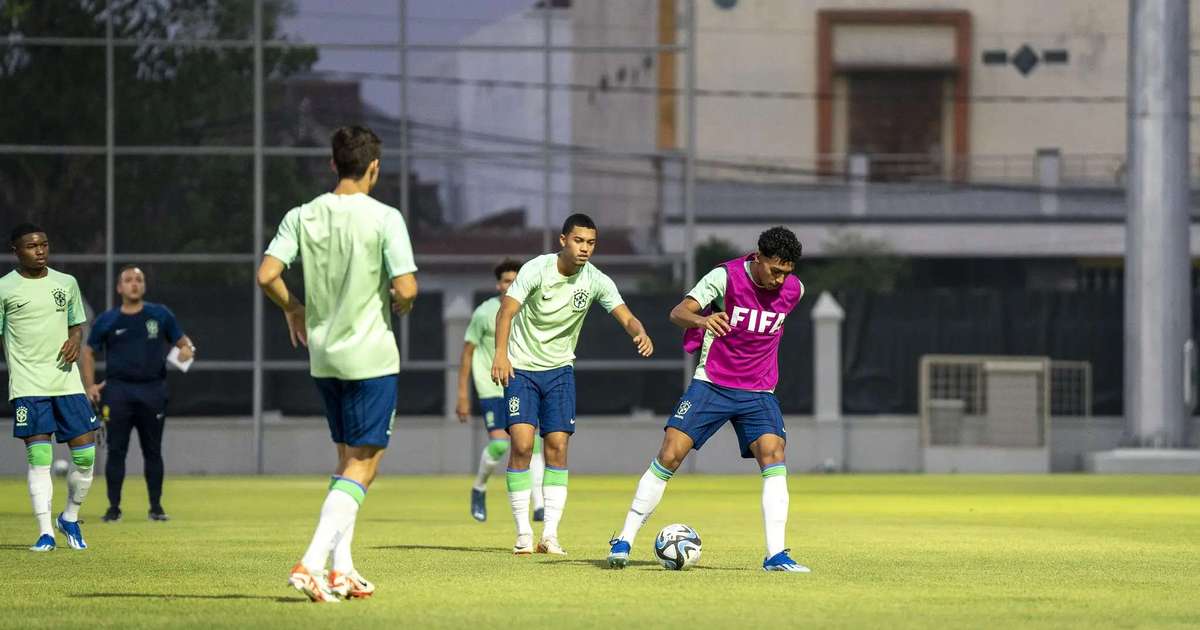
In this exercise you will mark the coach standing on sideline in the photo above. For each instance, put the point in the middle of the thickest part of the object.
(135, 338)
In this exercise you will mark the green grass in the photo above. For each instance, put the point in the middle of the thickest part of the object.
(895, 552)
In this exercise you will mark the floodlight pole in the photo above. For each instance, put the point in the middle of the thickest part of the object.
(1157, 262)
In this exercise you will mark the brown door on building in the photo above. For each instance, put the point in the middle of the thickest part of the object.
(895, 117)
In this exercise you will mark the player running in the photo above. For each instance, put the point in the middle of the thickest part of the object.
(354, 251)
(41, 317)
(479, 348)
(536, 333)
(735, 316)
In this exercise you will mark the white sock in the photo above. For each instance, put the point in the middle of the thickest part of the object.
(79, 481)
(775, 506)
(649, 492)
(486, 466)
(41, 491)
(537, 471)
(337, 515)
(342, 561)
(555, 496)
(518, 498)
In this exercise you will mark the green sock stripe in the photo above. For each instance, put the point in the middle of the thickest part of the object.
(39, 453)
(660, 471)
(84, 456)
(496, 448)
(555, 476)
(357, 492)
(774, 470)
(518, 480)
(332, 480)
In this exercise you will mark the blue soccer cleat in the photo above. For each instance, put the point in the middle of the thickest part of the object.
(479, 504)
(783, 562)
(45, 542)
(618, 555)
(72, 532)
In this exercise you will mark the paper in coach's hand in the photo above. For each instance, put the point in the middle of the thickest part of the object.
(173, 359)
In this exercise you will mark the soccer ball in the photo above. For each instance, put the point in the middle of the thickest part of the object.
(677, 547)
(59, 467)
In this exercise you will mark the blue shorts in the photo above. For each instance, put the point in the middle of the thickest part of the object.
(545, 399)
(705, 408)
(494, 412)
(360, 413)
(67, 417)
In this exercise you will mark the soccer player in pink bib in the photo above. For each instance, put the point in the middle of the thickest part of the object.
(734, 316)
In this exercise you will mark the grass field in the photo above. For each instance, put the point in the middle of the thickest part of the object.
(886, 551)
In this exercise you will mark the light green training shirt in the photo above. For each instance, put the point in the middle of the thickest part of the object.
(546, 329)
(350, 246)
(481, 333)
(34, 317)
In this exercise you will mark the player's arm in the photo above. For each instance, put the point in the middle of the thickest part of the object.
(689, 314)
(69, 352)
(634, 329)
(404, 293)
(88, 368)
(270, 280)
(502, 370)
(463, 408)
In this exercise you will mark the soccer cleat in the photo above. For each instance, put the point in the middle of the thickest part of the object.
(550, 546)
(72, 532)
(157, 514)
(539, 514)
(524, 545)
(112, 515)
(316, 588)
(783, 562)
(350, 585)
(479, 504)
(618, 555)
(45, 542)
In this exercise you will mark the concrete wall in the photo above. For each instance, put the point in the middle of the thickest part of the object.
(603, 445)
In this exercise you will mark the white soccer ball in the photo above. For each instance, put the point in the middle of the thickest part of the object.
(59, 467)
(677, 547)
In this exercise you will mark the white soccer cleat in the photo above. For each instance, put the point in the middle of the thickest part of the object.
(315, 587)
(524, 545)
(550, 546)
(350, 585)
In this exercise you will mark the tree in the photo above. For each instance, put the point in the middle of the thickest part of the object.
(853, 261)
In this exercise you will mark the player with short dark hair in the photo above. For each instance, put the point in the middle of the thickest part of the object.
(135, 338)
(479, 348)
(734, 316)
(537, 329)
(41, 324)
(358, 270)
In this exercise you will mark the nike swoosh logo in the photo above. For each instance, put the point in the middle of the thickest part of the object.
(18, 306)
(546, 297)
(93, 419)
(636, 512)
(120, 331)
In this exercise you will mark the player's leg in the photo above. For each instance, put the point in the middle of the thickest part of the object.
(556, 417)
(76, 426)
(494, 410)
(33, 423)
(359, 465)
(700, 413)
(149, 420)
(118, 429)
(761, 435)
(308, 576)
(537, 474)
(523, 398)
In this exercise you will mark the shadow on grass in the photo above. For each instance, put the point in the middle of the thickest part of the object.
(168, 596)
(603, 564)
(442, 548)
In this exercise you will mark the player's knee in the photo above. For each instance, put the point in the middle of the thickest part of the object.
(497, 448)
(39, 454)
(85, 456)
